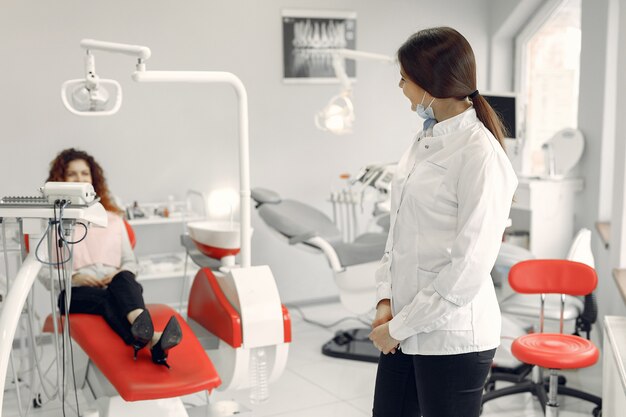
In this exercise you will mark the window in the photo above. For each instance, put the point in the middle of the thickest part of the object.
(551, 72)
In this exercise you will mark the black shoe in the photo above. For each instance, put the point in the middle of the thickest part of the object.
(142, 330)
(171, 336)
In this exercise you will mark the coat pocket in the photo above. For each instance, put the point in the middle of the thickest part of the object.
(460, 318)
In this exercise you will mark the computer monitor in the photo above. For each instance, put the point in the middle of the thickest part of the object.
(505, 104)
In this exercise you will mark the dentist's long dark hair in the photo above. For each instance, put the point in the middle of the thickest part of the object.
(441, 61)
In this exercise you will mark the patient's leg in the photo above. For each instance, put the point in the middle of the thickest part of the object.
(127, 298)
(128, 294)
(98, 301)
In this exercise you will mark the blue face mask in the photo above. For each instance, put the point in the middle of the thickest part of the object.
(426, 113)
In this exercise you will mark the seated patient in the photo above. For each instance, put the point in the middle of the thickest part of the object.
(104, 265)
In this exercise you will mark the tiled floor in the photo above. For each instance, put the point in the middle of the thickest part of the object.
(314, 385)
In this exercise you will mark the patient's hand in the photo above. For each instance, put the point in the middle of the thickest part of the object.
(108, 278)
(383, 313)
(84, 280)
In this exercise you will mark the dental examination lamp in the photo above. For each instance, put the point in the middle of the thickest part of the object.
(239, 304)
(338, 115)
(86, 98)
(90, 96)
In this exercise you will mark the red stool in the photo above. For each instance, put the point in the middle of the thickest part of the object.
(552, 351)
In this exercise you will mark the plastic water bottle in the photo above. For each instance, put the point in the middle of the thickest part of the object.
(259, 389)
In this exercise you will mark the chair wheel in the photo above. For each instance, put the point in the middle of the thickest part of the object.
(490, 386)
(562, 380)
(597, 412)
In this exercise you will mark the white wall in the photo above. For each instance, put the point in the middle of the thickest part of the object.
(507, 19)
(596, 119)
(167, 139)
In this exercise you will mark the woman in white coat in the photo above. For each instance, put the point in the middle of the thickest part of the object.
(437, 320)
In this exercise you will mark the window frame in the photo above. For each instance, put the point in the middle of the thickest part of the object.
(534, 24)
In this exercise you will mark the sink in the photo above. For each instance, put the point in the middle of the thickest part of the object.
(216, 239)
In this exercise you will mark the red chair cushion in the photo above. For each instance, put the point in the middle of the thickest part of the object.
(552, 276)
(555, 351)
(191, 369)
(209, 306)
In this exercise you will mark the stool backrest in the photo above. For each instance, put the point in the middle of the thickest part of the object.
(552, 276)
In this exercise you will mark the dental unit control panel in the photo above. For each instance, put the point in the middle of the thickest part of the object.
(378, 176)
(76, 194)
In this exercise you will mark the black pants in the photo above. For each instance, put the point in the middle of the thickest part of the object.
(123, 295)
(431, 386)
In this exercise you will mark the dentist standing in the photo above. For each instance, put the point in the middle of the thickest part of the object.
(437, 320)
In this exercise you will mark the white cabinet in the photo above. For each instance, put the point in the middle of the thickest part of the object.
(545, 209)
(161, 259)
(614, 367)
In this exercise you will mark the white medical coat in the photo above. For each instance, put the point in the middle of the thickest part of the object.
(450, 201)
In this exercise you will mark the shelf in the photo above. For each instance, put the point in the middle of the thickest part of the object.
(172, 266)
(191, 271)
(144, 221)
(604, 230)
(620, 279)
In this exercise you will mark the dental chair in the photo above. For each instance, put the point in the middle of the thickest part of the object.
(353, 264)
(126, 387)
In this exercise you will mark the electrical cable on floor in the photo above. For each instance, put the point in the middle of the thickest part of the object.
(329, 325)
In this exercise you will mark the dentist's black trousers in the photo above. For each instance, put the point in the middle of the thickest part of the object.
(431, 385)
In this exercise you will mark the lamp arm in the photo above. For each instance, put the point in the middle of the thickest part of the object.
(138, 51)
(340, 55)
(244, 150)
(340, 72)
(361, 55)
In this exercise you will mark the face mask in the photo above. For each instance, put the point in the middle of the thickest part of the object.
(426, 113)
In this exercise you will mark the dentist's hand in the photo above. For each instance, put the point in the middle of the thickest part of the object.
(382, 339)
(383, 313)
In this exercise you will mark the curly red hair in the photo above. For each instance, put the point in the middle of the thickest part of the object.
(58, 170)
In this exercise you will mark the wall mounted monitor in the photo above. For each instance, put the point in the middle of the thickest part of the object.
(506, 106)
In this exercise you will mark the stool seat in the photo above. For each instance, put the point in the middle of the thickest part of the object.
(555, 351)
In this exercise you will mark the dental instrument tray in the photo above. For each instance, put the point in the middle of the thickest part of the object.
(33, 201)
(76, 194)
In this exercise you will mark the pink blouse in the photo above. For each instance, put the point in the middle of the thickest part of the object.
(103, 245)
